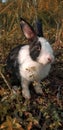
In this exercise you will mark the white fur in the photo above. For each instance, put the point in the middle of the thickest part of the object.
(34, 70)
(46, 52)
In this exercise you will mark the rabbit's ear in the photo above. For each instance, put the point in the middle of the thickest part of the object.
(27, 29)
(38, 27)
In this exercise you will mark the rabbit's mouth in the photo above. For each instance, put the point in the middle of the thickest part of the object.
(45, 63)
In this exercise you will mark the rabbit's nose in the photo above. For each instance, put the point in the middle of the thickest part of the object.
(49, 59)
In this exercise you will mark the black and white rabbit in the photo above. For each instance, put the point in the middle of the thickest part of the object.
(30, 62)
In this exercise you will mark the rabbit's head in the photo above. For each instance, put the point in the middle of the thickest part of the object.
(39, 48)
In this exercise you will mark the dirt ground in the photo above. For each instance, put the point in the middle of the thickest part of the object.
(40, 112)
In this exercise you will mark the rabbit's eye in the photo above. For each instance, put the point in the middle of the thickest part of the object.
(39, 47)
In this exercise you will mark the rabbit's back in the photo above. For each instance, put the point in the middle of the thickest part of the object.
(12, 64)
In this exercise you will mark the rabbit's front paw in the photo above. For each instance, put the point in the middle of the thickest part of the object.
(26, 94)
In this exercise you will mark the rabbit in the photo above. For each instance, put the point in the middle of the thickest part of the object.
(30, 62)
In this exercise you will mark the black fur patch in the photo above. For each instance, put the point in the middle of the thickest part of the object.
(38, 28)
(35, 48)
(12, 65)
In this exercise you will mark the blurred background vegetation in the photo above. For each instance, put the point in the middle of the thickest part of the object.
(41, 113)
(51, 13)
